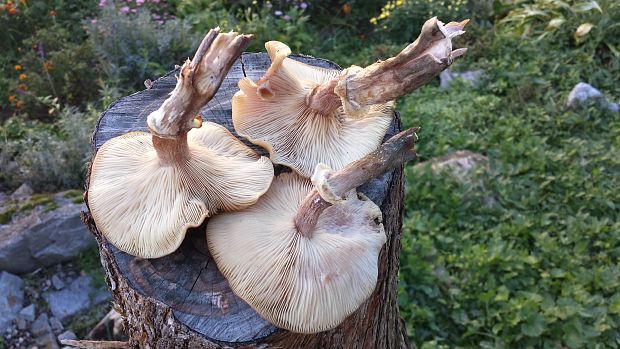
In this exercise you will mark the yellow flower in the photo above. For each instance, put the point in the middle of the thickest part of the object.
(22, 76)
(18, 67)
(373, 20)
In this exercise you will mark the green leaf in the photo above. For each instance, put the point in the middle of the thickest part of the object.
(534, 325)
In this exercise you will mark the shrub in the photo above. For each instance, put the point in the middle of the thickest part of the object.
(49, 157)
(133, 47)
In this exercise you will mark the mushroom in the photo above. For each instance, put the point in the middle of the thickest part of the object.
(147, 189)
(302, 261)
(280, 114)
(305, 115)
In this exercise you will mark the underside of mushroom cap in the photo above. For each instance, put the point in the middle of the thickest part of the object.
(274, 113)
(144, 206)
(301, 284)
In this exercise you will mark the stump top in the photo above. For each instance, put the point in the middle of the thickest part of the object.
(188, 280)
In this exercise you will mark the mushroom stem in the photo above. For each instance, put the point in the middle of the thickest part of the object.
(171, 150)
(323, 99)
(197, 83)
(413, 67)
(394, 152)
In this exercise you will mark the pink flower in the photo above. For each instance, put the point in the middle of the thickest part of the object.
(93, 21)
(103, 3)
(125, 9)
(139, 2)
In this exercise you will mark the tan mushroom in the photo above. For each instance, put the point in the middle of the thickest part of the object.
(279, 114)
(305, 115)
(301, 262)
(147, 189)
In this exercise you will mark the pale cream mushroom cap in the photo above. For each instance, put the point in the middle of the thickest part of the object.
(144, 207)
(301, 284)
(274, 113)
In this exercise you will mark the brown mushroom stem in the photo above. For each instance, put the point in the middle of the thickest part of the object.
(387, 80)
(413, 67)
(197, 83)
(323, 99)
(171, 150)
(394, 152)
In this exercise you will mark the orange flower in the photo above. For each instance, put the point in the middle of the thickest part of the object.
(346, 8)
(22, 76)
(18, 67)
(12, 11)
(47, 66)
(53, 13)
(19, 104)
(11, 99)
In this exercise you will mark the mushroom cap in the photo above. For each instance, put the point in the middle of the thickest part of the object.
(144, 207)
(274, 114)
(300, 284)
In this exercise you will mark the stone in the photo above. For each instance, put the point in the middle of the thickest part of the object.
(28, 313)
(56, 325)
(40, 239)
(40, 326)
(22, 193)
(458, 164)
(22, 324)
(70, 300)
(57, 282)
(67, 335)
(583, 92)
(471, 76)
(11, 299)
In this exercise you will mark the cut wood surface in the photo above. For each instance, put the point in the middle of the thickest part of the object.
(182, 300)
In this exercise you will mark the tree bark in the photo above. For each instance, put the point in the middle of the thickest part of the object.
(182, 300)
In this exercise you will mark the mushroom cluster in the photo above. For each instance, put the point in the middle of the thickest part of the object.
(303, 252)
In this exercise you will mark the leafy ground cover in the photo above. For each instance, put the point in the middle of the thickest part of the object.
(523, 256)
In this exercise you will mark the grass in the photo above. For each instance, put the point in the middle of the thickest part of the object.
(539, 267)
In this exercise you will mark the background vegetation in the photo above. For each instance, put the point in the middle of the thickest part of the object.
(524, 255)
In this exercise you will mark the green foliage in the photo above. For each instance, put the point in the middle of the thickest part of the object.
(133, 47)
(47, 157)
(266, 22)
(401, 20)
(43, 54)
(527, 259)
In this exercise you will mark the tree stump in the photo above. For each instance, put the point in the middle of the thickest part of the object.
(183, 301)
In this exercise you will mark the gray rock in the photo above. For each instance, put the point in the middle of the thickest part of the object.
(22, 324)
(40, 326)
(471, 76)
(47, 341)
(583, 92)
(22, 193)
(70, 300)
(67, 335)
(458, 164)
(41, 239)
(11, 299)
(56, 325)
(28, 313)
(101, 296)
(57, 282)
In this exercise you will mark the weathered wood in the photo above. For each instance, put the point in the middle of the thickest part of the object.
(183, 301)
